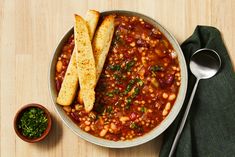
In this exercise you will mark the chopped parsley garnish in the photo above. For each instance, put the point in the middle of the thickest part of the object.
(109, 109)
(129, 65)
(116, 91)
(140, 82)
(117, 77)
(156, 68)
(128, 100)
(128, 103)
(127, 107)
(33, 123)
(130, 86)
(109, 94)
(136, 92)
(133, 125)
(143, 109)
(132, 81)
(116, 67)
(118, 38)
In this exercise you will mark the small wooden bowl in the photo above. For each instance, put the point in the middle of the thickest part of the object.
(18, 115)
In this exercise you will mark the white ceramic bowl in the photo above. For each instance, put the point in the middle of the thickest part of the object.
(146, 137)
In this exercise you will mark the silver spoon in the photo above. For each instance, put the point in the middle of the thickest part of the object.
(204, 64)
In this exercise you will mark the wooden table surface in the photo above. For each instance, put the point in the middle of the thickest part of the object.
(30, 31)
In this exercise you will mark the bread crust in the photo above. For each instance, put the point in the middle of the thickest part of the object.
(85, 62)
(102, 41)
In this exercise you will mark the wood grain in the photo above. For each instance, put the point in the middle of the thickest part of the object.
(30, 31)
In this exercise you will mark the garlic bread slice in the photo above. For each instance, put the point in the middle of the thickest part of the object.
(86, 69)
(70, 83)
(102, 41)
(92, 18)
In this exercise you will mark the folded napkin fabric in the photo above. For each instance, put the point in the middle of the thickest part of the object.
(210, 128)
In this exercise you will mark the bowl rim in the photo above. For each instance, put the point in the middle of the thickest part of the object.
(18, 114)
(154, 132)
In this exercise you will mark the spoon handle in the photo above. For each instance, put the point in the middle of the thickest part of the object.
(183, 120)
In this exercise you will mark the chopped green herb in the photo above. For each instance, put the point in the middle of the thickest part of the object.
(156, 68)
(115, 67)
(109, 94)
(122, 94)
(117, 77)
(118, 38)
(128, 103)
(136, 92)
(127, 106)
(116, 91)
(109, 109)
(133, 125)
(129, 86)
(33, 123)
(129, 65)
(140, 82)
(143, 109)
(132, 82)
(128, 89)
(128, 100)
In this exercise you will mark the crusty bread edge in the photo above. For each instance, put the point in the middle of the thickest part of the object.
(92, 18)
(102, 41)
(85, 62)
(66, 96)
(69, 85)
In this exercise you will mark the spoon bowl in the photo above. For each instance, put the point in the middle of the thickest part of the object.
(205, 63)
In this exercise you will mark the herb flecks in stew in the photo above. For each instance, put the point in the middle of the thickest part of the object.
(138, 85)
(33, 123)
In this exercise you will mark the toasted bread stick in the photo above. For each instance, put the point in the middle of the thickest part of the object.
(70, 83)
(85, 62)
(92, 18)
(101, 43)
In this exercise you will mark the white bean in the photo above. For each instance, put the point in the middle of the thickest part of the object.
(168, 106)
(59, 66)
(165, 112)
(113, 126)
(165, 95)
(124, 119)
(103, 132)
(171, 97)
(87, 122)
(87, 128)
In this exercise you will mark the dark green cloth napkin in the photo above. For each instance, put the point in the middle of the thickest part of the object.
(210, 128)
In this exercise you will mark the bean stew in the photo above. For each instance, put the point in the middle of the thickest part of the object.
(137, 87)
